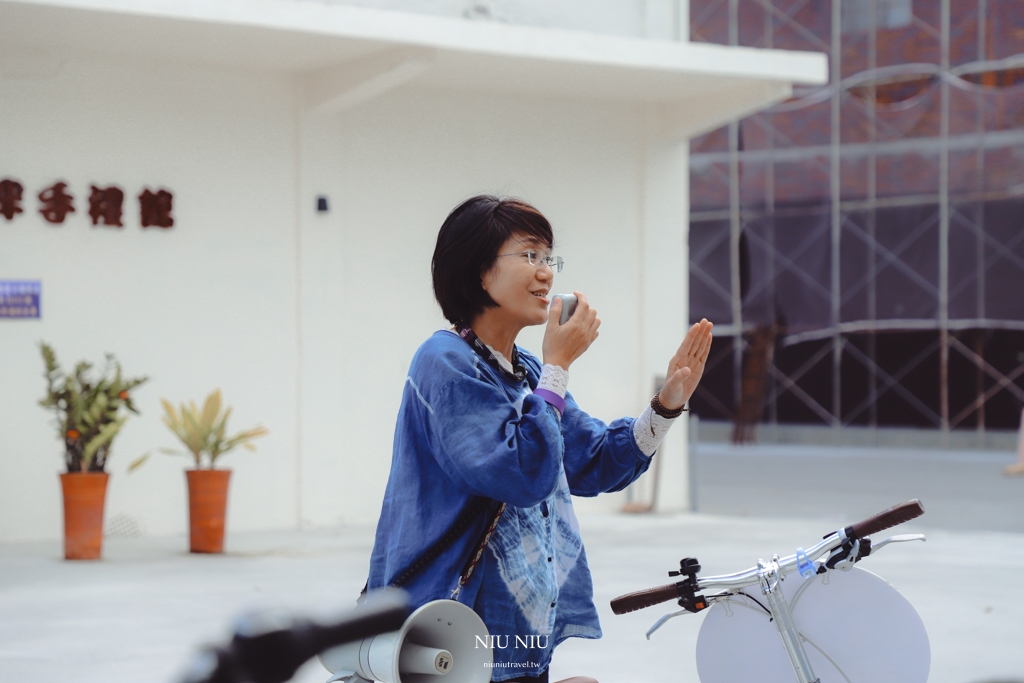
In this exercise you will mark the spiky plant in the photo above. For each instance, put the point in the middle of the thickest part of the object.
(88, 409)
(204, 432)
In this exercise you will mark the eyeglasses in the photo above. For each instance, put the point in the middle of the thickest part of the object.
(538, 259)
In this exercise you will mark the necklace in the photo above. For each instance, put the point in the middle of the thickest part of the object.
(467, 334)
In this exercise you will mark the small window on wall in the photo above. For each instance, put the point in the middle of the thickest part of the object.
(889, 14)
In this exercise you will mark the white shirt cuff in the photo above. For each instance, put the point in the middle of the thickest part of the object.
(650, 429)
(554, 378)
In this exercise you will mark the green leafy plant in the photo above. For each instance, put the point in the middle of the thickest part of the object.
(204, 432)
(89, 409)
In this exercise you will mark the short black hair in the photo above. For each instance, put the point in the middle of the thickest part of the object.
(468, 244)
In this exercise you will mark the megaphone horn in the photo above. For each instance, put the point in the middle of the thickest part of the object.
(441, 638)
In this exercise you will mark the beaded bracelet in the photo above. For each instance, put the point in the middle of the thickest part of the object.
(665, 412)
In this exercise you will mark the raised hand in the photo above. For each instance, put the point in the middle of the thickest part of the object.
(687, 366)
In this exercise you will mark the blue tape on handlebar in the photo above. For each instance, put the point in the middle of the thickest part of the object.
(803, 565)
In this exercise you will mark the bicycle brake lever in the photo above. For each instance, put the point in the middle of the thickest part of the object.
(900, 538)
(845, 556)
(849, 553)
(661, 622)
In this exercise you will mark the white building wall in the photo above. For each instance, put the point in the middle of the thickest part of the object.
(661, 19)
(392, 170)
(209, 303)
(306, 321)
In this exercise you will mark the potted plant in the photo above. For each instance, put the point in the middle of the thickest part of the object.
(90, 413)
(204, 433)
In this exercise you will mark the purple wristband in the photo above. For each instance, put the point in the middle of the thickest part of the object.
(551, 397)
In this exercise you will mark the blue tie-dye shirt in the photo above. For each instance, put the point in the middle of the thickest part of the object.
(464, 431)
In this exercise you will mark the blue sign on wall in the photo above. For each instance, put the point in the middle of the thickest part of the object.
(20, 298)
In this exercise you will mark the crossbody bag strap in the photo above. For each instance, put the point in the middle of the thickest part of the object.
(474, 559)
(469, 514)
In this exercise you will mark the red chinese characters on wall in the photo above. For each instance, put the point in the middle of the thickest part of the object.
(106, 204)
(156, 209)
(55, 203)
(10, 198)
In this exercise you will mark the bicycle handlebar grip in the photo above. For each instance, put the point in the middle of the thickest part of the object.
(631, 602)
(897, 514)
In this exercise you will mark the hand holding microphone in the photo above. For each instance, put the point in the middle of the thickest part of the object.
(570, 331)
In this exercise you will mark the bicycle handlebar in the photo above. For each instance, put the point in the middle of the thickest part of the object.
(885, 519)
(897, 514)
(631, 602)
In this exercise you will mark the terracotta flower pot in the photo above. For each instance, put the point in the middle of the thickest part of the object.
(84, 496)
(207, 505)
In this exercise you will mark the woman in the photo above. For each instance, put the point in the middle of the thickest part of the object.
(489, 444)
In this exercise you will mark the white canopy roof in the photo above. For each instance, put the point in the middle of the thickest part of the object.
(349, 54)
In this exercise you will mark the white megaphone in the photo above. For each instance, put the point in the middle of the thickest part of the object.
(441, 638)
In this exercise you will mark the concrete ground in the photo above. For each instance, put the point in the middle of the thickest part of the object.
(961, 490)
(139, 613)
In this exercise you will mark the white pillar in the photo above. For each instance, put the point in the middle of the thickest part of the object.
(664, 271)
